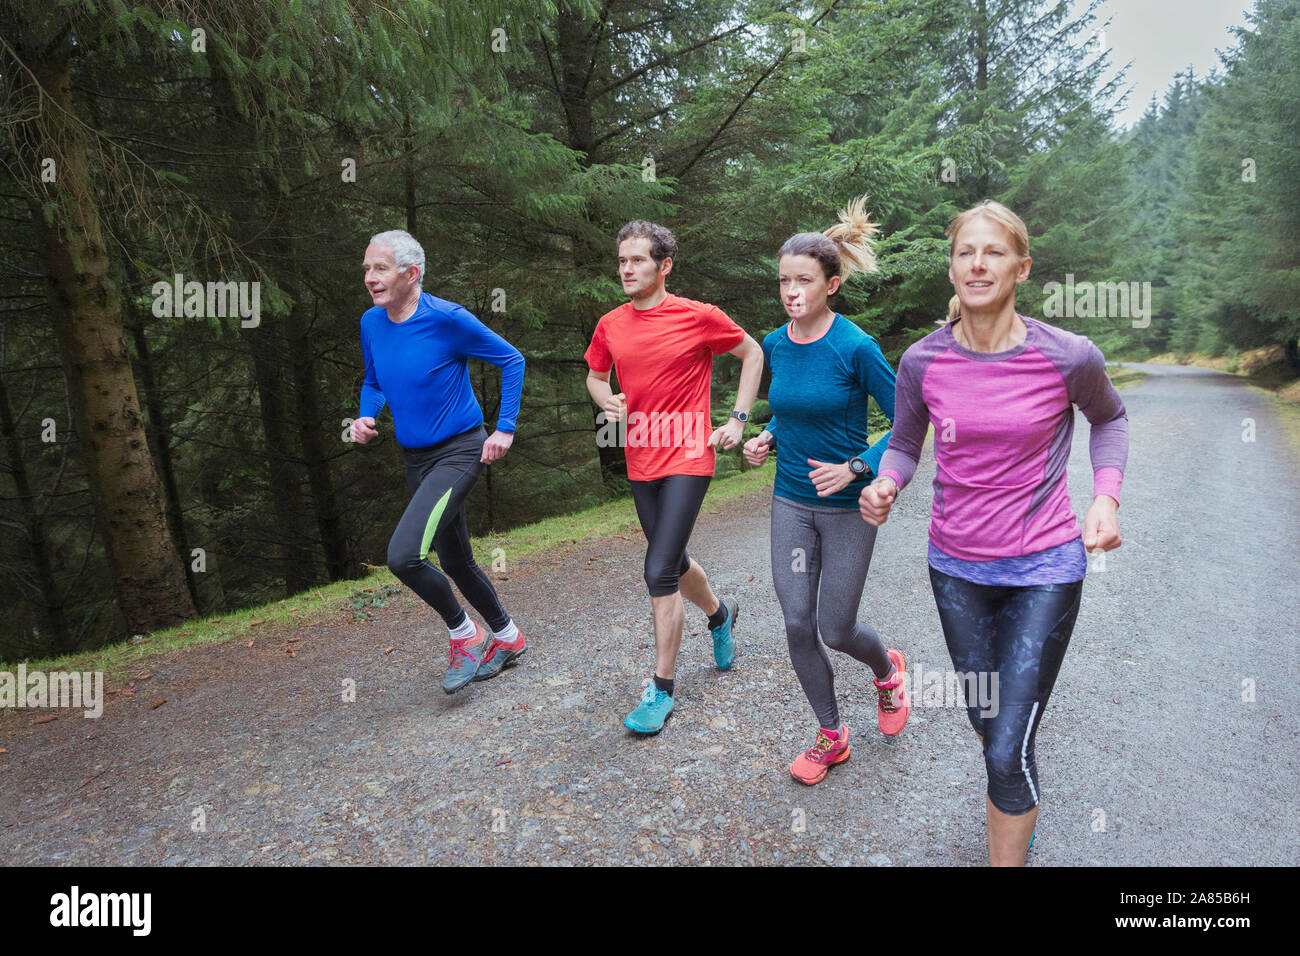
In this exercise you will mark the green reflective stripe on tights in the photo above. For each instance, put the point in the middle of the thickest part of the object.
(431, 528)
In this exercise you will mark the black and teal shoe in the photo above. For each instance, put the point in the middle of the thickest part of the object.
(650, 714)
(724, 646)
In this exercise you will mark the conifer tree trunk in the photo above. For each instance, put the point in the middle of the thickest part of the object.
(86, 307)
(158, 430)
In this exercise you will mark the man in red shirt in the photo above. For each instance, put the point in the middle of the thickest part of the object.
(661, 346)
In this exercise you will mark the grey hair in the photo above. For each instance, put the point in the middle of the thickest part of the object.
(406, 251)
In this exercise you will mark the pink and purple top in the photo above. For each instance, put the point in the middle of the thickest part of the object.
(1003, 425)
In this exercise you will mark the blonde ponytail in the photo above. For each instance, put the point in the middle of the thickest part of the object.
(844, 248)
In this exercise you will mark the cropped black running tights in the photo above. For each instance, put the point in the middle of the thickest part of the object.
(667, 508)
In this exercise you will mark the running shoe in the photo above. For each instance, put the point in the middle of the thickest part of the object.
(498, 655)
(650, 714)
(724, 648)
(1031, 839)
(892, 705)
(464, 659)
(811, 766)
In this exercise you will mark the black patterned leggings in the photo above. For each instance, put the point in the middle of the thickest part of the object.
(1014, 639)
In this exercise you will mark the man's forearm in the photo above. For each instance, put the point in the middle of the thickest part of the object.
(600, 390)
(751, 376)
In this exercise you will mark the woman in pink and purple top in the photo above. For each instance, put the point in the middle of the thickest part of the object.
(1006, 556)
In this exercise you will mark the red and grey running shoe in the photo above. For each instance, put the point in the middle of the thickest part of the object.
(465, 657)
(498, 655)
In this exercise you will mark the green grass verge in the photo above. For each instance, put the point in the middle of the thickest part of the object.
(1288, 411)
(123, 661)
(1126, 377)
(602, 521)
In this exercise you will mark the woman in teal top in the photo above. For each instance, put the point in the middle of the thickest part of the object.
(824, 371)
(820, 400)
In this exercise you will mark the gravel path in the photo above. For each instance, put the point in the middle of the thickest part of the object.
(1148, 753)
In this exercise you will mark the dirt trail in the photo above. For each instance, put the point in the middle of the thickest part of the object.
(1148, 753)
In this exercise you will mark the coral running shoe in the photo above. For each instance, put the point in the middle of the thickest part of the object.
(892, 705)
(464, 659)
(811, 766)
(498, 655)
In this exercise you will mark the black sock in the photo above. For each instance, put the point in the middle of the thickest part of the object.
(664, 684)
(718, 617)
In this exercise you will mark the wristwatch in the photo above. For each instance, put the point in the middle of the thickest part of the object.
(857, 466)
(741, 417)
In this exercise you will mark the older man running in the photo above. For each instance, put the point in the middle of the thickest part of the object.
(416, 348)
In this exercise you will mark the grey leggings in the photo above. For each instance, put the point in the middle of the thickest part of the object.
(820, 548)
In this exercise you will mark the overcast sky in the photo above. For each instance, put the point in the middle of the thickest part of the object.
(1162, 37)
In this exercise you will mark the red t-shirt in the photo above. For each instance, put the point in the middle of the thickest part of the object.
(663, 358)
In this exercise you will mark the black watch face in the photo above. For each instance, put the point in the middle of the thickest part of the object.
(740, 416)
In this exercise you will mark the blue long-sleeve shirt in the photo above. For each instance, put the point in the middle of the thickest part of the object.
(819, 399)
(419, 368)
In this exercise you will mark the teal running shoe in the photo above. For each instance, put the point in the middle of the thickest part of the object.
(724, 648)
(650, 714)
(464, 660)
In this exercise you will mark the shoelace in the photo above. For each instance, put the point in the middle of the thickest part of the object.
(821, 748)
(458, 650)
(887, 702)
(651, 693)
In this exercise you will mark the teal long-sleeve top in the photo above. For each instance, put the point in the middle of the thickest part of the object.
(819, 400)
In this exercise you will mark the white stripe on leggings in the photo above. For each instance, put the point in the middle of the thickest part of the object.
(1024, 746)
